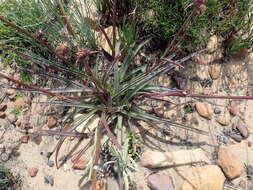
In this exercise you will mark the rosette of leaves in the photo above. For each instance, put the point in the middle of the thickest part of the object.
(63, 48)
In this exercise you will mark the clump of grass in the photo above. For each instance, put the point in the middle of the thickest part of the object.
(7, 181)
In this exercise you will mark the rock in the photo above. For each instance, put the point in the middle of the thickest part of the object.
(19, 103)
(101, 40)
(249, 144)
(12, 118)
(204, 110)
(208, 177)
(229, 163)
(236, 137)
(2, 114)
(80, 164)
(48, 179)
(51, 122)
(208, 58)
(234, 108)
(217, 110)
(50, 163)
(212, 44)
(5, 157)
(160, 182)
(155, 159)
(223, 120)
(24, 139)
(3, 107)
(33, 172)
(214, 71)
(244, 131)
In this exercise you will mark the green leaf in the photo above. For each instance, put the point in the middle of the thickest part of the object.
(148, 117)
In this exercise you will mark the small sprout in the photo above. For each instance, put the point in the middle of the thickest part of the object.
(188, 108)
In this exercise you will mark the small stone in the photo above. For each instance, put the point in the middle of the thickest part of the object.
(80, 164)
(204, 59)
(50, 163)
(160, 182)
(10, 91)
(2, 148)
(2, 114)
(12, 118)
(208, 177)
(33, 172)
(159, 112)
(19, 103)
(223, 120)
(3, 107)
(242, 183)
(244, 131)
(234, 108)
(155, 159)
(217, 110)
(5, 157)
(24, 139)
(249, 144)
(212, 44)
(71, 138)
(236, 137)
(48, 179)
(214, 71)
(229, 163)
(51, 122)
(204, 110)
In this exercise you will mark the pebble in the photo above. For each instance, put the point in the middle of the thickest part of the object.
(48, 179)
(214, 71)
(10, 91)
(5, 157)
(50, 163)
(160, 182)
(24, 139)
(249, 144)
(71, 138)
(155, 159)
(3, 107)
(217, 110)
(225, 121)
(229, 163)
(33, 172)
(19, 103)
(204, 110)
(208, 177)
(234, 108)
(242, 183)
(236, 137)
(212, 44)
(2, 114)
(244, 131)
(80, 164)
(12, 118)
(159, 112)
(51, 122)
(2, 149)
